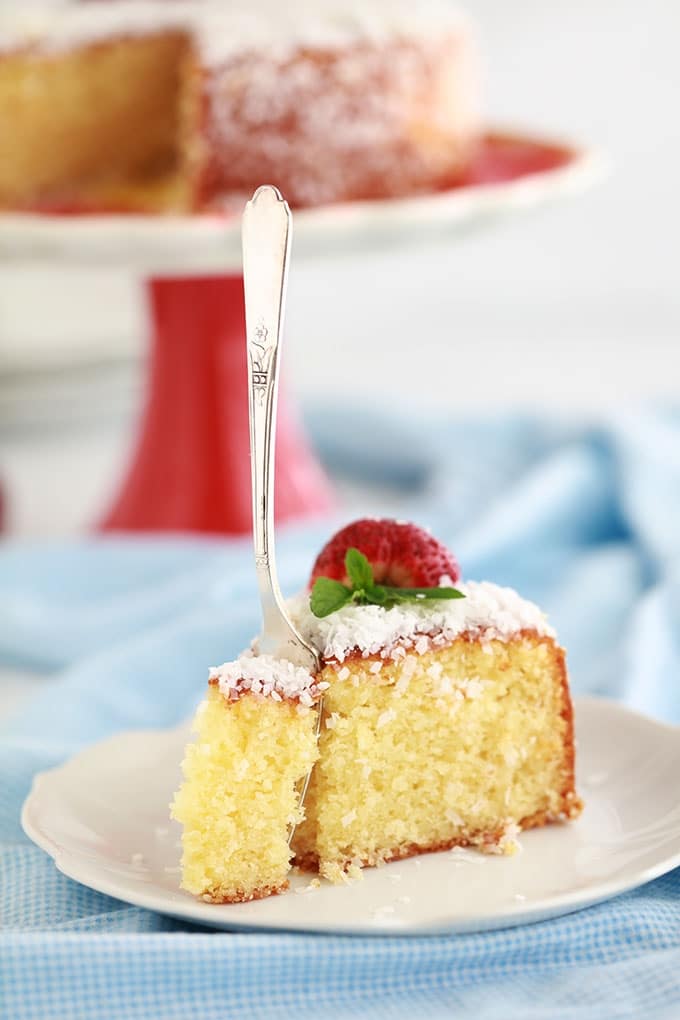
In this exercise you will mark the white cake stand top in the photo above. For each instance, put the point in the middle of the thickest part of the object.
(515, 171)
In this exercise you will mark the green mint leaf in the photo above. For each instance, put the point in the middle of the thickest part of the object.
(328, 596)
(416, 594)
(358, 570)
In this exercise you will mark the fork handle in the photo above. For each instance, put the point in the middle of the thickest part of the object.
(267, 228)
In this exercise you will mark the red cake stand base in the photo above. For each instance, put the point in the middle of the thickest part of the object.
(191, 469)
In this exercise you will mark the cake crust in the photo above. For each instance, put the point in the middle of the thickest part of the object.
(244, 896)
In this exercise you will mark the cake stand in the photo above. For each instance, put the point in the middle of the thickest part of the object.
(191, 467)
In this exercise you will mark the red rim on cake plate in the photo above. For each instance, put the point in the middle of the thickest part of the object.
(109, 830)
(192, 265)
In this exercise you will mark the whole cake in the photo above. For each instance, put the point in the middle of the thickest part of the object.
(446, 720)
(139, 104)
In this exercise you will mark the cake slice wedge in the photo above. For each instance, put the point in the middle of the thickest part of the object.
(446, 720)
(255, 743)
(443, 727)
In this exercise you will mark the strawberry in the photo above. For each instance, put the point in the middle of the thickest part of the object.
(401, 554)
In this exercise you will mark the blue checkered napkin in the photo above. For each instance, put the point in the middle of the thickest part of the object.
(617, 960)
(583, 521)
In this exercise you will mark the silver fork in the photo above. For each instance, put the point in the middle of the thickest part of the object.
(266, 236)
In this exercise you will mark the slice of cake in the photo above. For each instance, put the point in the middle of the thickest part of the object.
(447, 721)
(255, 743)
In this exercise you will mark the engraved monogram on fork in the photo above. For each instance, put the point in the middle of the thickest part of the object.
(260, 360)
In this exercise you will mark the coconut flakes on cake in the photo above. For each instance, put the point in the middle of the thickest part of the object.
(219, 31)
(488, 612)
(267, 676)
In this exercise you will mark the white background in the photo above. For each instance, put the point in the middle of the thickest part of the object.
(574, 307)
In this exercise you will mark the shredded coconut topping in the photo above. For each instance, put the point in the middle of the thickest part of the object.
(268, 677)
(219, 30)
(488, 612)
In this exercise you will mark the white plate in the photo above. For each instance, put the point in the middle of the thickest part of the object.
(204, 243)
(103, 817)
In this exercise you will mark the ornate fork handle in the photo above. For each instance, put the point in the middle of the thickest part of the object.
(267, 228)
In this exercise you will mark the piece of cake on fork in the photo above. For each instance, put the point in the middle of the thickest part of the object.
(256, 741)
(447, 721)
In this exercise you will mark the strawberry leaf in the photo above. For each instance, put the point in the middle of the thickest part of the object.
(328, 596)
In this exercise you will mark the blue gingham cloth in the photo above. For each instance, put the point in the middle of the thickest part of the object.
(584, 520)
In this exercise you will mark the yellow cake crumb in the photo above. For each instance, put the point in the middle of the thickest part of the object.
(101, 121)
(240, 795)
(466, 745)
